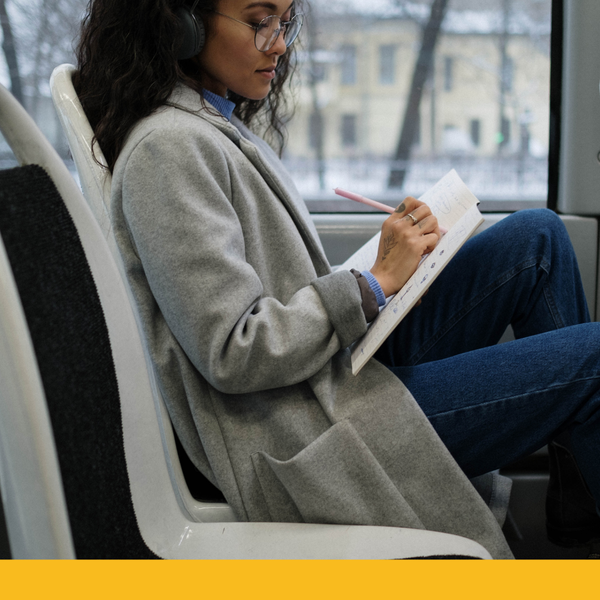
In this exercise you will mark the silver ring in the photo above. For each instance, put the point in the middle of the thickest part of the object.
(415, 220)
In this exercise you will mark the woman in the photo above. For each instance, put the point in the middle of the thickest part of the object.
(249, 329)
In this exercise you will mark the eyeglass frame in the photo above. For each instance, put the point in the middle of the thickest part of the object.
(282, 24)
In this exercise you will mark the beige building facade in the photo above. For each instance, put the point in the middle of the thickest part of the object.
(355, 83)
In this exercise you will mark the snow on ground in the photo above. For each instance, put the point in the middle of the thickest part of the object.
(488, 179)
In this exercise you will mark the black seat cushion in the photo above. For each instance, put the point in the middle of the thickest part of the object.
(72, 347)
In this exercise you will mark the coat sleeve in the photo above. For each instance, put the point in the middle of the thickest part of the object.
(177, 202)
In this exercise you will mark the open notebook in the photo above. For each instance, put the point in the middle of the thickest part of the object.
(456, 209)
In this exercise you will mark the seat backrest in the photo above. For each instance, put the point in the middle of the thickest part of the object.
(95, 182)
(66, 326)
(60, 390)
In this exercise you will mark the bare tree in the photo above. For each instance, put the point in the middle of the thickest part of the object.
(420, 74)
(316, 118)
(46, 40)
(504, 79)
(10, 52)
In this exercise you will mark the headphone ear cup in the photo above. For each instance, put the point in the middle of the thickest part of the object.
(191, 34)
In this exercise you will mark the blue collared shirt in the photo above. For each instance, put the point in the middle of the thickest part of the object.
(224, 106)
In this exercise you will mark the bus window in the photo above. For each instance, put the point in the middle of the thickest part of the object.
(37, 37)
(405, 91)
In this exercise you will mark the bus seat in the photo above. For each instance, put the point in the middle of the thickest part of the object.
(96, 185)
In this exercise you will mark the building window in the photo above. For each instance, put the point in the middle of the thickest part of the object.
(348, 65)
(387, 64)
(476, 132)
(319, 72)
(348, 130)
(448, 73)
(315, 130)
(508, 74)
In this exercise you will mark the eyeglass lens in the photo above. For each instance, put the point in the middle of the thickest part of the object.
(269, 28)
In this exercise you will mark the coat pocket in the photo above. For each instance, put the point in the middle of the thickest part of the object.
(335, 479)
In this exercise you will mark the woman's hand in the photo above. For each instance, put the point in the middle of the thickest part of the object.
(404, 240)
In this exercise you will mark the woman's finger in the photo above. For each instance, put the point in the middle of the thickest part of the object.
(424, 220)
(407, 205)
(418, 214)
(431, 239)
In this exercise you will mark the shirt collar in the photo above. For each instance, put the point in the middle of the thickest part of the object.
(224, 106)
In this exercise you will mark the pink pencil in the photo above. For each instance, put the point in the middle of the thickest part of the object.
(359, 198)
(374, 203)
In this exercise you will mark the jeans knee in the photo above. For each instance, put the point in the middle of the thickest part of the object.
(550, 221)
(542, 224)
(539, 219)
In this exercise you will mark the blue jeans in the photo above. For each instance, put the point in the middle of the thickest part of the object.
(492, 404)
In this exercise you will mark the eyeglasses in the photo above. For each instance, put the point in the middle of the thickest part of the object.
(268, 30)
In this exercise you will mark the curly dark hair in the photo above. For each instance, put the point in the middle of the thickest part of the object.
(128, 67)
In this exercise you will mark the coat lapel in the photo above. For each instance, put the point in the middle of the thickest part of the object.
(276, 179)
(268, 165)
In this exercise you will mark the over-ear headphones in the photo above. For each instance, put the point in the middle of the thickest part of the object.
(191, 33)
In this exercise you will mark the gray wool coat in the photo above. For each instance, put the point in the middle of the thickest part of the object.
(249, 328)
